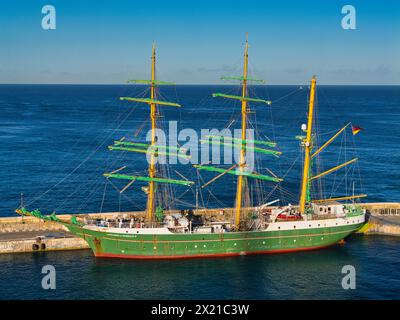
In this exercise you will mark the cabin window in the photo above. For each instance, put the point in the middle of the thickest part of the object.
(294, 227)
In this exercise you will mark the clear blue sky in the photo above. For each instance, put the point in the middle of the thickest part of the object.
(198, 41)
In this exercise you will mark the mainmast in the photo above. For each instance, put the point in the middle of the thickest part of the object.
(305, 185)
(242, 161)
(243, 144)
(152, 169)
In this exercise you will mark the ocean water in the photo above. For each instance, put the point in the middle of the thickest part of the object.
(53, 149)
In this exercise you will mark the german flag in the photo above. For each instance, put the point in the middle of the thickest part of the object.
(355, 129)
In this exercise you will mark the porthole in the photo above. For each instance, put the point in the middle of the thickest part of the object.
(279, 227)
(294, 227)
(234, 244)
(155, 248)
(319, 225)
(195, 246)
(204, 246)
(294, 240)
(263, 242)
(309, 225)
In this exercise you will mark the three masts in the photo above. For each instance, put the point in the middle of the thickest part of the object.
(310, 225)
(240, 169)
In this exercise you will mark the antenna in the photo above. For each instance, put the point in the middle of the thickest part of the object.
(197, 199)
(22, 200)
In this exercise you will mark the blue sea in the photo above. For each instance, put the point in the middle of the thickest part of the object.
(54, 151)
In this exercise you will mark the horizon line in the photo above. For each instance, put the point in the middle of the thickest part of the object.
(204, 84)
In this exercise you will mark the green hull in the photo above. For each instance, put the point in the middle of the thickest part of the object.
(170, 246)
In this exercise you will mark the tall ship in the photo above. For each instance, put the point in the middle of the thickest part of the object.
(243, 230)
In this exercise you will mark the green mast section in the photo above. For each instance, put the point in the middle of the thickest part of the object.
(238, 173)
(147, 179)
(256, 149)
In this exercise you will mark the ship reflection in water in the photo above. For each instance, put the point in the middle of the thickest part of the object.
(309, 275)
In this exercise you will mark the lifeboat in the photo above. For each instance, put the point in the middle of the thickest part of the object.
(288, 217)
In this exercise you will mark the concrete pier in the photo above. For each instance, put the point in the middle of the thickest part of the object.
(29, 234)
(39, 241)
(384, 218)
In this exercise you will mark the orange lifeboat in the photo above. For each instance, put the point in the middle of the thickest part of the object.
(288, 217)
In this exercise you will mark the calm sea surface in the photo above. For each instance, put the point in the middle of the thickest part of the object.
(54, 150)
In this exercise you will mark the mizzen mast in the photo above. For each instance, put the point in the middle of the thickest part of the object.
(305, 184)
(305, 195)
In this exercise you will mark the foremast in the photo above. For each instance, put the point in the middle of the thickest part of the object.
(153, 149)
